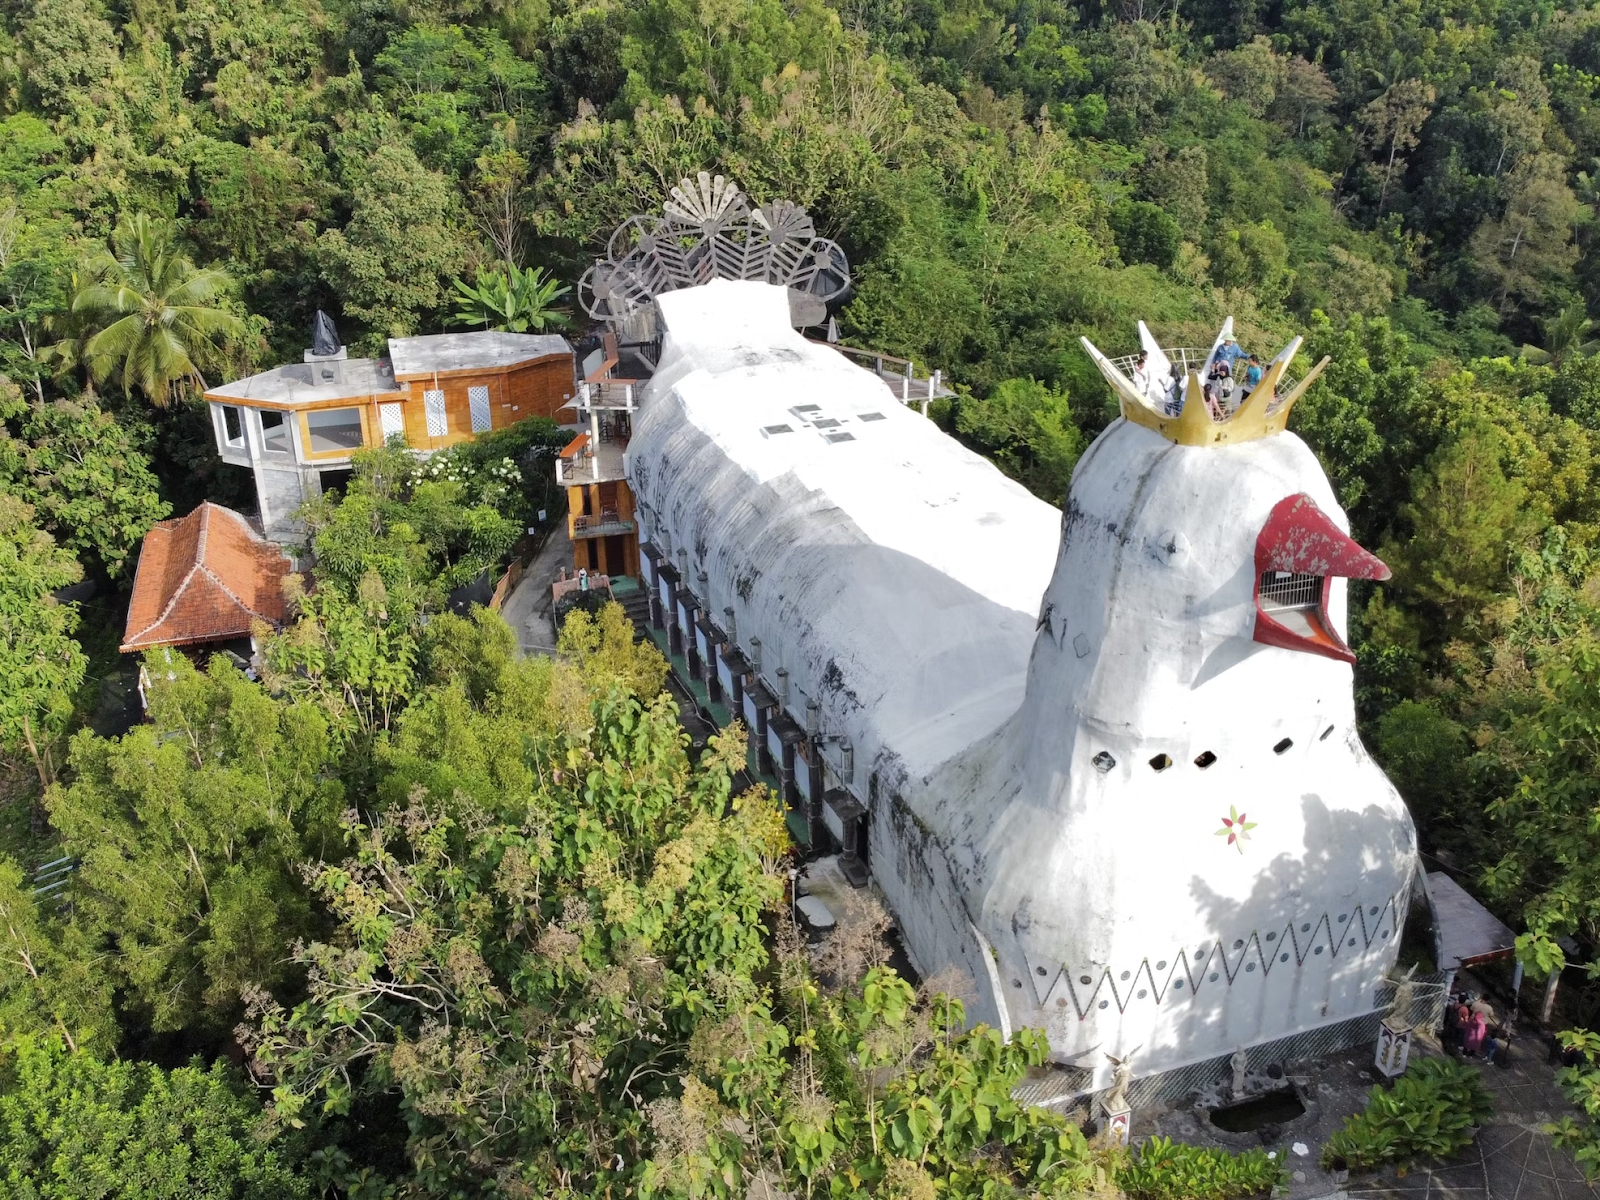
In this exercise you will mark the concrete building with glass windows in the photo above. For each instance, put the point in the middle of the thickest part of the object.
(297, 425)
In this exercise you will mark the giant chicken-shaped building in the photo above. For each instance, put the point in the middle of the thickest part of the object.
(1106, 756)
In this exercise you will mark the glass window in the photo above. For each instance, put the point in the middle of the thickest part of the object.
(232, 425)
(334, 429)
(274, 431)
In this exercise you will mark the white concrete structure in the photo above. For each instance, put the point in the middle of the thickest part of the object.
(1109, 758)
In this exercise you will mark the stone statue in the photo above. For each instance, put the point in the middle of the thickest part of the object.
(1400, 1010)
(1122, 1074)
(1240, 1062)
(324, 337)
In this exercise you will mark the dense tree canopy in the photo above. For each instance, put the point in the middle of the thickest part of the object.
(485, 923)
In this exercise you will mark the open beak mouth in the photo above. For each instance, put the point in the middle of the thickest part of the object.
(1299, 553)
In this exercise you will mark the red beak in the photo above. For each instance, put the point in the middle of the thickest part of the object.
(1299, 540)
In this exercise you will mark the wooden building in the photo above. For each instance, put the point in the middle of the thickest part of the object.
(600, 516)
(296, 426)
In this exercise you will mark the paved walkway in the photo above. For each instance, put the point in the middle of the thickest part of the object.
(1513, 1158)
(527, 608)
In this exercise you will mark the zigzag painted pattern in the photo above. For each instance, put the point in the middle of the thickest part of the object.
(1217, 962)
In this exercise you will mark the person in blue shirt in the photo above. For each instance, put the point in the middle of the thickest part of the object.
(1252, 376)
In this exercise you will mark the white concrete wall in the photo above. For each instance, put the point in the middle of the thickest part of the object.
(979, 650)
(1191, 948)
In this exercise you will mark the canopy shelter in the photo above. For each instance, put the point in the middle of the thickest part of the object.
(1465, 933)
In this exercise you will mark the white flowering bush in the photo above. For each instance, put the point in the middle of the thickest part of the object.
(511, 470)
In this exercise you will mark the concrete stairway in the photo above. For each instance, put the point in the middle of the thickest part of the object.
(636, 603)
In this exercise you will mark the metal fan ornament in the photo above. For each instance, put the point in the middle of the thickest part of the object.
(707, 230)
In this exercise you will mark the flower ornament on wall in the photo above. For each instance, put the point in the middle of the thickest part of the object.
(1236, 829)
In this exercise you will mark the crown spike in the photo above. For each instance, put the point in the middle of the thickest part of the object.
(1255, 406)
(1280, 413)
(1195, 426)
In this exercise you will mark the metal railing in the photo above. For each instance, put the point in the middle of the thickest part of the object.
(1280, 590)
(604, 525)
(1187, 357)
(899, 371)
(606, 394)
(51, 879)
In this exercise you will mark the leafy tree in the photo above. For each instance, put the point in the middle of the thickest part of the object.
(1547, 864)
(32, 255)
(514, 300)
(1466, 516)
(1145, 233)
(41, 666)
(1426, 754)
(1523, 252)
(84, 473)
(604, 645)
(188, 831)
(347, 655)
(1028, 431)
(527, 974)
(69, 49)
(393, 260)
(1390, 127)
(52, 981)
(1565, 334)
(73, 1127)
(148, 318)
(410, 523)
(498, 199)
(1368, 418)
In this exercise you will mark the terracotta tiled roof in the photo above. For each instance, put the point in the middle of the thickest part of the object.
(204, 578)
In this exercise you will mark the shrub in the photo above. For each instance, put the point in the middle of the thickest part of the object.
(72, 1127)
(1168, 1170)
(1432, 1111)
(512, 469)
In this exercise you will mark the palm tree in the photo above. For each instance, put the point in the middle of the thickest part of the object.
(147, 315)
(1566, 334)
(512, 301)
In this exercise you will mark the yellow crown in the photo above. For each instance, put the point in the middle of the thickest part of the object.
(1263, 413)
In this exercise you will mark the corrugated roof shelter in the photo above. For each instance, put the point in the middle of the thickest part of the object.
(1467, 933)
(206, 577)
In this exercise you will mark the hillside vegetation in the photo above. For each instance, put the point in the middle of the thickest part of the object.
(552, 957)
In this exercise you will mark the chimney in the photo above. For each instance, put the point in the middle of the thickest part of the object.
(755, 655)
(848, 766)
(705, 591)
(733, 626)
(783, 686)
(813, 717)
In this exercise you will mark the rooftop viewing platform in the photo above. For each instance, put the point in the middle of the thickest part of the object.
(1205, 397)
(899, 373)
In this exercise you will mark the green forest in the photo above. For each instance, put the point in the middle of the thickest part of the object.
(415, 916)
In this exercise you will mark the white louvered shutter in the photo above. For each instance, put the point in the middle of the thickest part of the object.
(433, 406)
(392, 420)
(478, 399)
